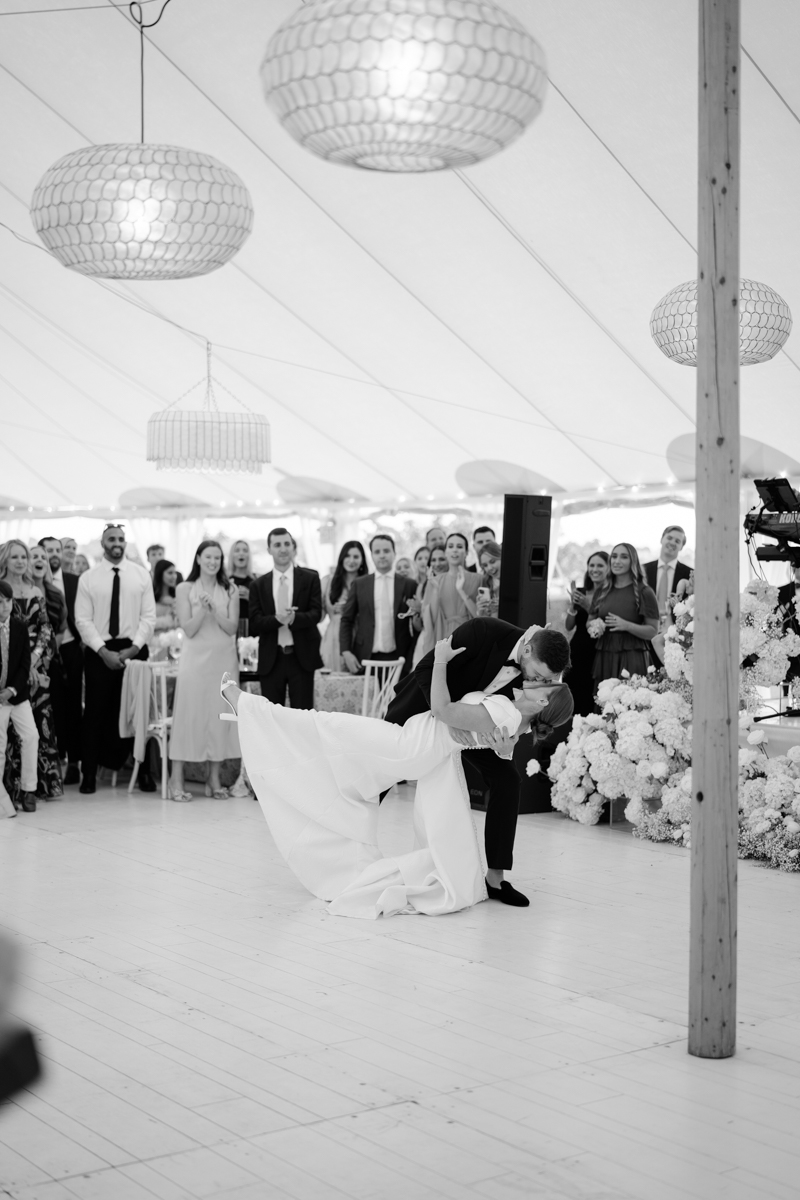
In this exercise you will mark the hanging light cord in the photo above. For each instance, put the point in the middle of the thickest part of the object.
(137, 16)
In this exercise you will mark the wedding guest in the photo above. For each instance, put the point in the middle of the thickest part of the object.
(490, 558)
(208, 612)
(285, 610)
(435, 537)
(375, 622)
(154, 554)
(30, 607)
(68, 697)
(424, 621)
(482, 535)
(454, 593)
(42, 577)
(165, 581)
(422, 558)
(15, 708)
(404, 566)
(69, 548)
(663, 574)
(80, 564)
(582, 648)
(115, 614)
(241, 575)
(629, 611)
(351, 565)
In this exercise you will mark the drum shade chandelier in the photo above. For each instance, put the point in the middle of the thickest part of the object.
(208, 439)
(404, 85)
(765, 323)
(140, 211)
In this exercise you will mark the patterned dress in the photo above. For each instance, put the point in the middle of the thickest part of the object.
(33, 611)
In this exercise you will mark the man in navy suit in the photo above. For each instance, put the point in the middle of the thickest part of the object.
(375, 622)
(285, 610)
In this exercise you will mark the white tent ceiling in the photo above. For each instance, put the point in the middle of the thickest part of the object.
(393, 329)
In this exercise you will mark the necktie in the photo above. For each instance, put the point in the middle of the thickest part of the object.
(4, 641)
(284, 636)
(661, 594)
(113, 620)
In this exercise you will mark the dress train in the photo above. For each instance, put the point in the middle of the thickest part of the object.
(318, 777)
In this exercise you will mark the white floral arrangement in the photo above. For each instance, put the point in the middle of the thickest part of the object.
(640, 739)
(168, 639)
(769, 805)
(247, 648)
(596, 627)
(639, 745)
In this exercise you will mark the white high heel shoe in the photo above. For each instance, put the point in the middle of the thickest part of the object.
(226, 682)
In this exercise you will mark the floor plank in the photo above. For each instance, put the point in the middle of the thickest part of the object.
(207, 1030)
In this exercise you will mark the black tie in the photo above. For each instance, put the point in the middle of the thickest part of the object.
(113, 620)
(511, 663)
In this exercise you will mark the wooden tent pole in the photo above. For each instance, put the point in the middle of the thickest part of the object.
(712, 965)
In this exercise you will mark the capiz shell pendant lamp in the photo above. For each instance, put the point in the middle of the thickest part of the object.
(765, 323)
(404, 85)
(132, 210)
(208, 439)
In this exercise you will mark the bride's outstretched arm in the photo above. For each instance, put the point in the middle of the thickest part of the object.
(454, 713)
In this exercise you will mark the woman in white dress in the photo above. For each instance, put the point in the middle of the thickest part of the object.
(318, 777)
(208, 611)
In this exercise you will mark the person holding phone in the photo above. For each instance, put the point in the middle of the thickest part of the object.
(583, 647)
(490, 560)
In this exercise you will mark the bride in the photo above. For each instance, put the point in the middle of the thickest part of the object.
(318, 777)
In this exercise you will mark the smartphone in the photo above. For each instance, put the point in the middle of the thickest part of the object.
(484, 593)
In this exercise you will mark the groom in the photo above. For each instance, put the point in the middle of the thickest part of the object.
(497, 656)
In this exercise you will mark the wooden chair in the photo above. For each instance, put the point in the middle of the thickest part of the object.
(380, 681)
(161, 724)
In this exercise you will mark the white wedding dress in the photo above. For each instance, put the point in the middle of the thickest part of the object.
(318, 777)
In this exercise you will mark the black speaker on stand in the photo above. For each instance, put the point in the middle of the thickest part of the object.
(526, 555)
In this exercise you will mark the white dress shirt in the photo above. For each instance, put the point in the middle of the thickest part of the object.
(285, 635)
(137, 606)
(506, 674)
(383, 638)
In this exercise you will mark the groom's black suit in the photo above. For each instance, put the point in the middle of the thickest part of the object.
(488, 644)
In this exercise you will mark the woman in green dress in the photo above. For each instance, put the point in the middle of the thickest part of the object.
(629, 611)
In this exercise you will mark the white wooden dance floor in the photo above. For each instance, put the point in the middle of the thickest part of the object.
(209, 1031)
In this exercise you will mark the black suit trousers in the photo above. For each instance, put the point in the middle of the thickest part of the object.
(101, 744)
(501, 777)
(287, 673)
(68, 708)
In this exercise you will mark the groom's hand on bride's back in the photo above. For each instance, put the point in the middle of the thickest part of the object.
(463, 737)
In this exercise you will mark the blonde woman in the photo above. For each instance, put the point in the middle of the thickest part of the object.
(240, 573)
(629, 611)
(30, 606)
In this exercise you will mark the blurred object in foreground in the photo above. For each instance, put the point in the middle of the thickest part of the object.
(19, 1062)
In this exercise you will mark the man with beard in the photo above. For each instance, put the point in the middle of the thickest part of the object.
(115, 614)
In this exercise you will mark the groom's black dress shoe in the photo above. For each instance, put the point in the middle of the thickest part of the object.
(506, 894)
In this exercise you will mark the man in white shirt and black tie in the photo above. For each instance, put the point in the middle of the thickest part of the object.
(115, 614)
(665, 572)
